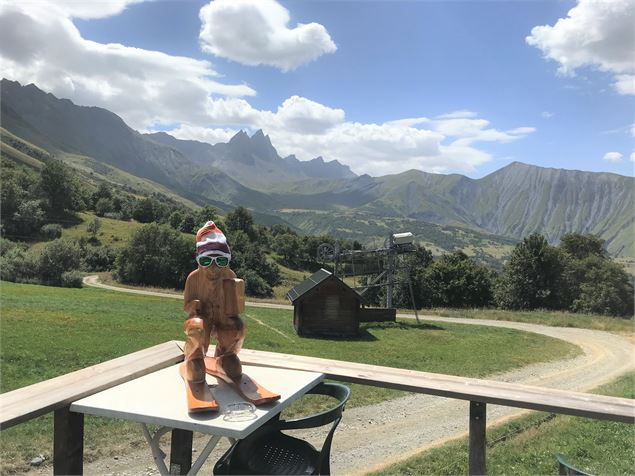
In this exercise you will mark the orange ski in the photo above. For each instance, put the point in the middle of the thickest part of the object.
(243, 384)
(199, 396)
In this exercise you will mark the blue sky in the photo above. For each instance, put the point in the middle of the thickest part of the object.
(463, 87)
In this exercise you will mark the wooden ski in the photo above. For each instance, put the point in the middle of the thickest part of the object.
(199, 396)
(248, 388)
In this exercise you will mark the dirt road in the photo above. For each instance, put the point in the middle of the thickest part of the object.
(374, 436)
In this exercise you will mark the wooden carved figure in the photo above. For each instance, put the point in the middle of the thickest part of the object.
(213, 300)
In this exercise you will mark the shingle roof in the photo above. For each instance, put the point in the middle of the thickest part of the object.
(308, 284)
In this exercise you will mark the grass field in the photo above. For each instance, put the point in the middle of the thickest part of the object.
(50, 331)
(527, 445)
(115, 233)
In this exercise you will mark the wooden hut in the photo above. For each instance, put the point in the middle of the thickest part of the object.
(323, 305)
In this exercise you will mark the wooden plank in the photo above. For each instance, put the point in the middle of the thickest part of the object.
(463, 388)
(68, 442)
(40, 398)
(181, 451)
(29, 402)
(478, 424)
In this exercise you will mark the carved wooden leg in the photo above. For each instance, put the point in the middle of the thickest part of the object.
(194, 349)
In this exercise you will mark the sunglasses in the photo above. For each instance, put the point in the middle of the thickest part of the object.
(205, 261)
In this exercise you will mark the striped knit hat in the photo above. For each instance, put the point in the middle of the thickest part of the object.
(210, 241)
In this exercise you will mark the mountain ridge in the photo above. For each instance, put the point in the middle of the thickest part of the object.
(254, 161)
(513, 201)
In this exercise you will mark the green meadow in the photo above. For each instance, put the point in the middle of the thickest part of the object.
(49, 331)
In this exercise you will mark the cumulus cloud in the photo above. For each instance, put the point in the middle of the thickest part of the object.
(255, 32)
(39, 43)
(632, 157)
(302, 115)
(612, 156)
(546, 114)
(88, 10)
(625, 83)
(594, 33)
(470, 129)
(203, 134)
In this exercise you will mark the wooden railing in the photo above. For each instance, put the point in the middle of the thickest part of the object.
(58, 393)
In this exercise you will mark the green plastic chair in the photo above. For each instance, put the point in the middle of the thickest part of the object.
(269, 451)
(566, 469)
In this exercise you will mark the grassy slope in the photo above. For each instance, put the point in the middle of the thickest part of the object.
(528, 444)
(108, 173)
(115, 233)
(49, 331)
(19, 157)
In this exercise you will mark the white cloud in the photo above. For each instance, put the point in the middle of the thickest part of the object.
(462, 114)
(202, 134)
(467, 131)
(409, 122)
(89, 10)
(632, 157)
(546, 114)
(595, 33)
(612, 156)
(302, 115)
(255, 32)
(625, 83)
(632, 130)
(40, 44)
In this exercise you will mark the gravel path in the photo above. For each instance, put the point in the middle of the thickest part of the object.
(372, 437)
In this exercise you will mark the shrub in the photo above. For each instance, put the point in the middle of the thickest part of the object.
(113, 215)
(93, 228)
(255, 285)
(103, 206)
(603, 288)
(71, 279)
(533, 277)
(156, 255)
(58, 257)
(62, 187)
(455, 280)
(18, 264)
(99, 258)
(51, 231)
(29, 217)
(7, 245)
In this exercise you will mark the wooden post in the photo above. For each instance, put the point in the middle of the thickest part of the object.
(181, 451)
(68, 442)
(478, 422)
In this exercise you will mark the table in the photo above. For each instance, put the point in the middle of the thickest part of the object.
(159, 399)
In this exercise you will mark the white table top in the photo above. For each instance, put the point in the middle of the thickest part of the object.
(159, 398)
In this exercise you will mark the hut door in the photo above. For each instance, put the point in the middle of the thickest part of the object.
(332, 307)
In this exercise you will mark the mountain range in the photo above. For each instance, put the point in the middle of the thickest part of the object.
(318, 195)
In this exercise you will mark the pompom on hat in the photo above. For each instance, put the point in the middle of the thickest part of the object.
(210, 241)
